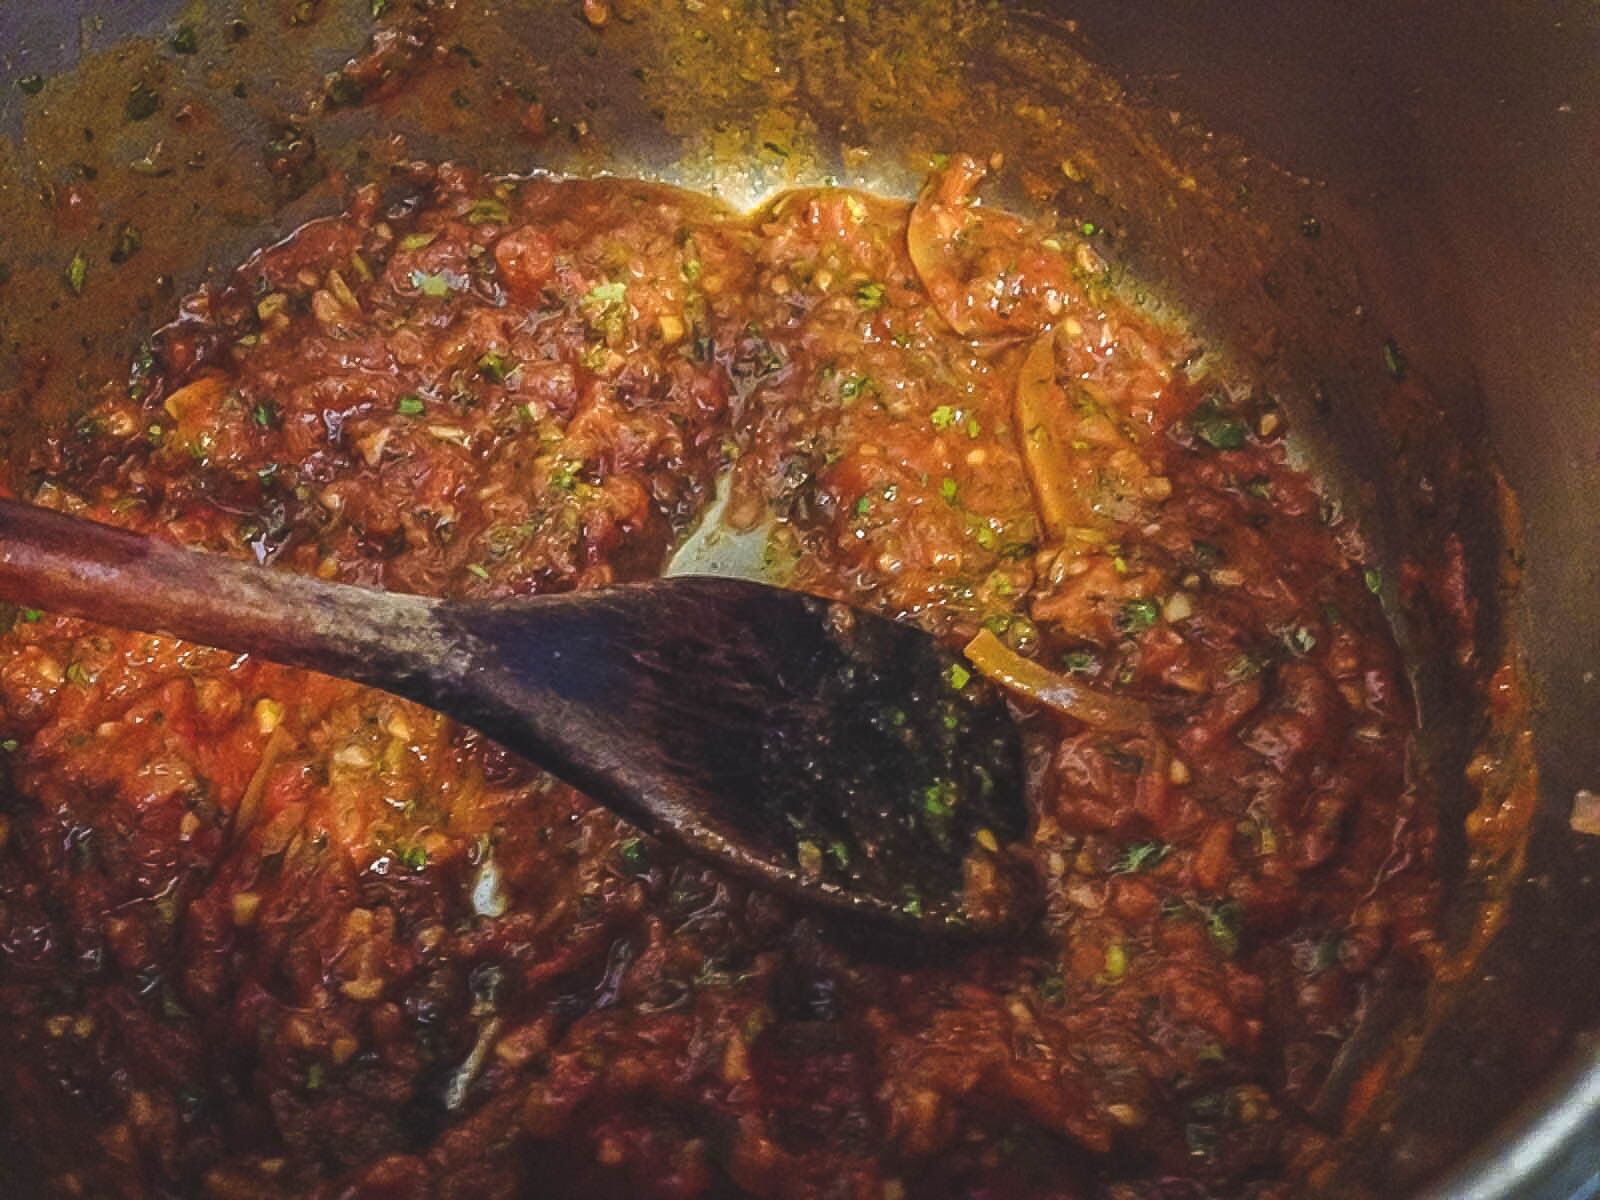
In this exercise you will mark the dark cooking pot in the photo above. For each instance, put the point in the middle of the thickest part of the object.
(1453, 234)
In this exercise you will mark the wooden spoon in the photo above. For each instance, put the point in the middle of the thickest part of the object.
(809, 747)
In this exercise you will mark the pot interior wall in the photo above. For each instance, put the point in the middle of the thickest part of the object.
(1413, 251)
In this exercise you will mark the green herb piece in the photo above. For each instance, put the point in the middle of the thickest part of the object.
(1394, 360)
(31, 85)
(9, 745)
(605, 295)
(31, 615)
(1088, 229)
(410, 404)
(1136, 616)
(957, 676)
(437, 286)
(870, 296)
(488, 212)
(1259, 486)
(1224, 925)
(478, 569)
(851, 389)
(1080, 662)
(912, 906)
(1206, 554)
(494, 366)
(142, 103)
(414, 857)
(1116, 962)
(950, 490)
(634, 855)
(379, 7)
(943, 417)
(129, 241)
(863, 506)
(1140, 856)
(565, 476)
(938, 799)
(973, 428)
(1053, 989)
(417, 241)
(1373, 579)
(265, 414)
(186, 40)
(314, 1077)
(77, 273)
(1220, 432)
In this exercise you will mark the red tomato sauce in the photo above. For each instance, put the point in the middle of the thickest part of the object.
(266, 934)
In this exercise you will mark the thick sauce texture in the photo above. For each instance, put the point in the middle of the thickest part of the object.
(265, 934)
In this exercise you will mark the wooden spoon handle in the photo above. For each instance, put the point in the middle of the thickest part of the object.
(81, 568)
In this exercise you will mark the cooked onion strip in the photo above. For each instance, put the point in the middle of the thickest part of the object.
(997, 661)
(1050, 469)
(250, 803)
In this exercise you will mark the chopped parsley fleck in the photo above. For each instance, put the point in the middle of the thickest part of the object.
(938, 799)
(410, 404)
(488, 212)
(128, 242)
(495, 367)
(957, 676)
(479, 570)
(1136, 616)
(943, 417)
(1139, 856)
(142, 103)
(950, 490)
(417, 241)
(870, 296)
(1224, 924)
(605, 295)
(1373, 579)
(1219, 432)
(634, 855)
(431, 284)
(77, 273)
(186, 40)
(1394, 360)
(414, 857)
(31, 615)
(1080, 662)
(850, 389)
